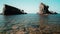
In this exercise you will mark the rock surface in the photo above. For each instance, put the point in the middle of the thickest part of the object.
(10, 10)
(44, 9)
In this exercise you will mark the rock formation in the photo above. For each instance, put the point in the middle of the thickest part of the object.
(44, 9)
(9, 10)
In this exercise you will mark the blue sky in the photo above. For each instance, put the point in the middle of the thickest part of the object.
(31, 6)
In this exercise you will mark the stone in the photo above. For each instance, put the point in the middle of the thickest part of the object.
(43, 9)
(10, 10)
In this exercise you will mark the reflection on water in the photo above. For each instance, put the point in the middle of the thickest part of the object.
(30, 24)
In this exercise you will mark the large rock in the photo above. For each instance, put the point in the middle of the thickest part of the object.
(9, 10)
(44, 9)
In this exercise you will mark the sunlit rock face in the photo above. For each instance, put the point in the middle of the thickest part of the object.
(43, 9)
(10, 10)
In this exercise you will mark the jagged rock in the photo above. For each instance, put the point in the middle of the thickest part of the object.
(44, 9)
(10, 10)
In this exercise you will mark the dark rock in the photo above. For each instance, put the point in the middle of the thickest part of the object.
(44, 9)
(9, 10)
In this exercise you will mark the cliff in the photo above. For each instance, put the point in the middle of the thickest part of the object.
(44, 9)
(10, 10)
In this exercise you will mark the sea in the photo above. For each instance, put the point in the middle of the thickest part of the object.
(23, 22)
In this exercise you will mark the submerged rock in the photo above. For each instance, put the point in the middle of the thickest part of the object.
(10, 10)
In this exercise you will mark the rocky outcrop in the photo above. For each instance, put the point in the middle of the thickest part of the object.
(44, 9)
(10, 10)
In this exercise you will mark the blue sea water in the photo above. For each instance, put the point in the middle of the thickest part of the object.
(27, 20)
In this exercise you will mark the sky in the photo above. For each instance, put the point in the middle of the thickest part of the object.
(31, 6)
